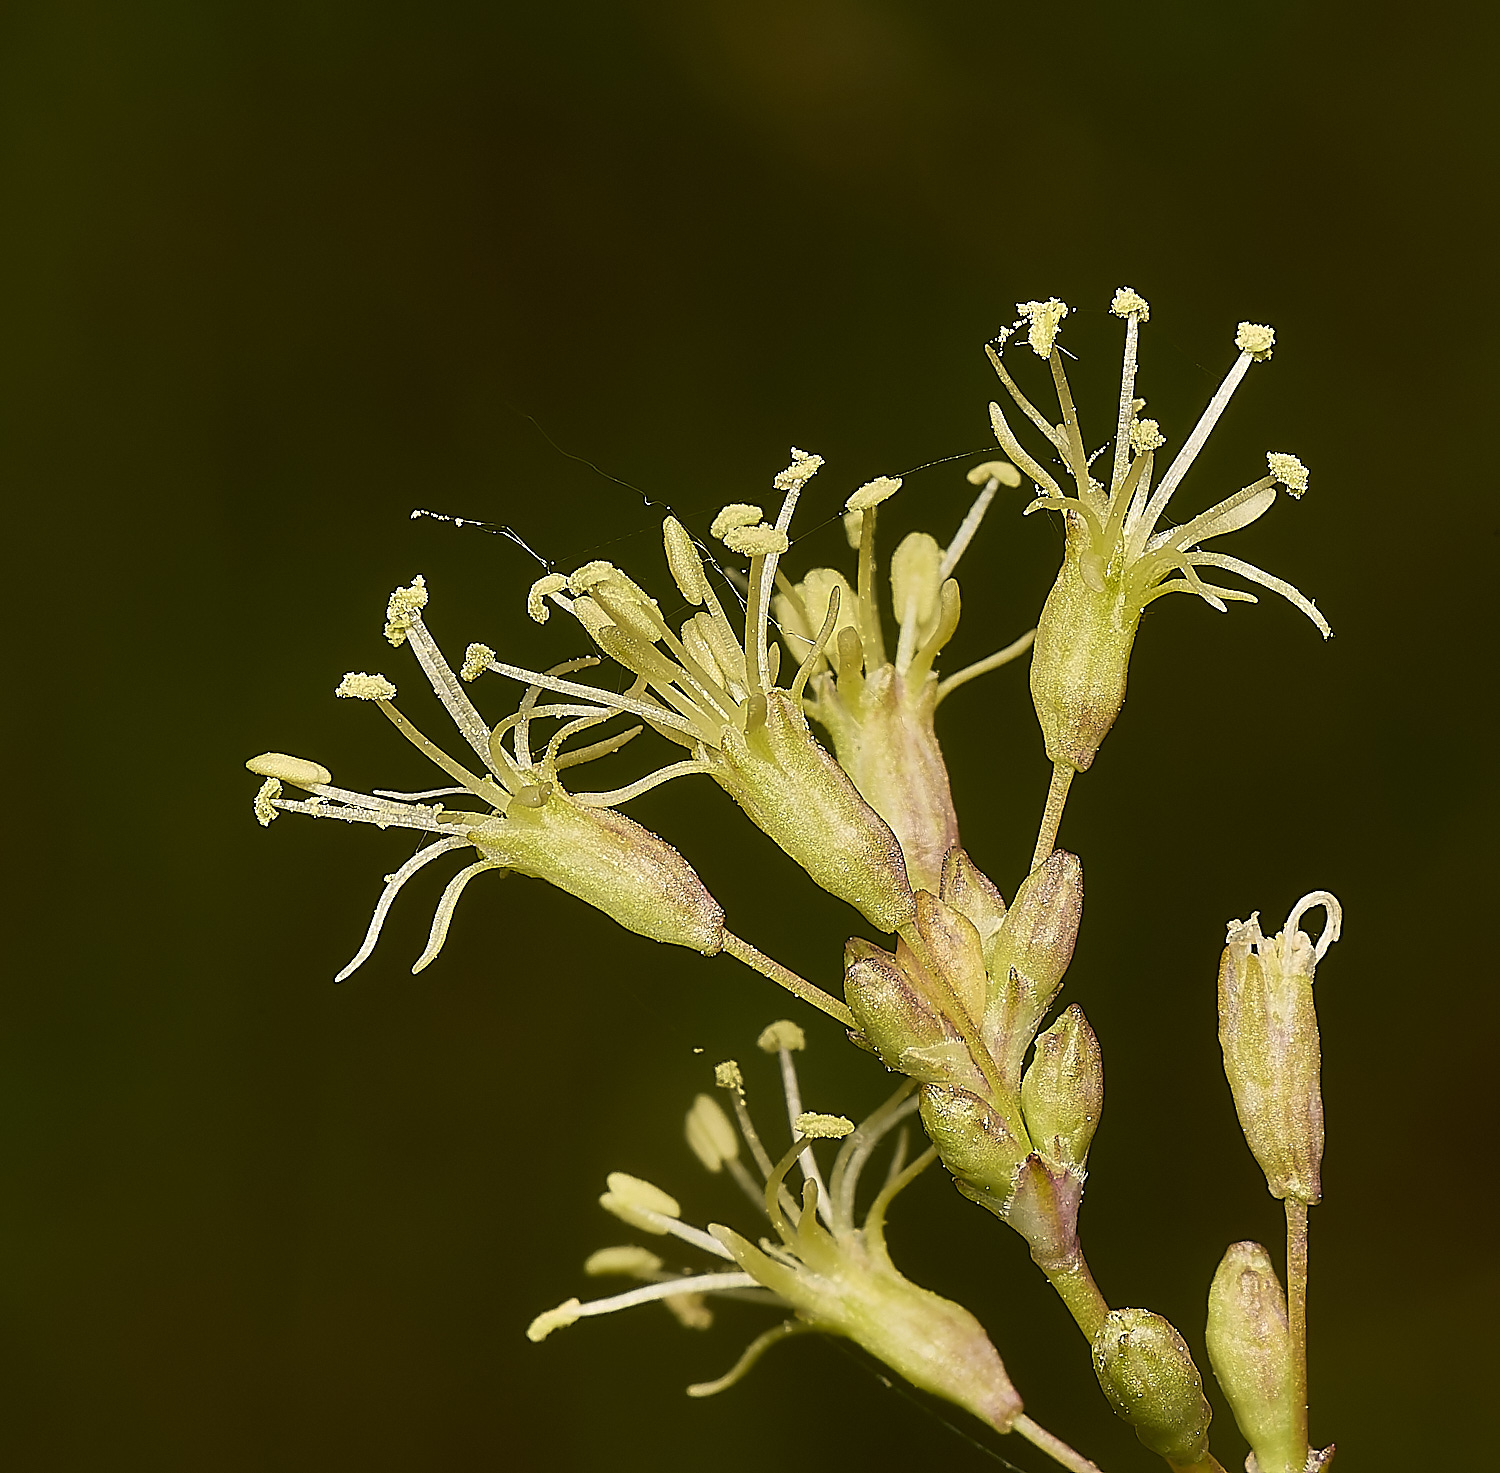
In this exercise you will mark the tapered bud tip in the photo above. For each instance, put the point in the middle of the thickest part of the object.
(994, 470)
(1130, 303)
(402, 607)
(710, 1135)
(1289, 471)
(627, 1261)
(872, 493)
(728, 1076)
(356, 685)
(1146, 1371)
(823, 1127)
(1044, 319)
(802, 469)
(758, 541)
(736, 514)
(1062, 1094)
(1256, 339)
(1250, 1349)
(782, 1034)
(477, 660)
(566, 1313)
(540, 591)
(294, 770)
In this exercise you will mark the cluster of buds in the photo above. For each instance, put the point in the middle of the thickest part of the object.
(826, 1270)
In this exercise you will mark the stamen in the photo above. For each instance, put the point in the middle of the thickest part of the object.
(443, 917)
(859, 1145)
(1133, 308)
(697, 1284)
(594, 750)
(383, 817)
(295, 770)
(1024, 404)
(1229, 515)
(449, 691)
(413, 797)
(970, 524)
(265, 802)
(751, 1354)
(658, 715)
(480, 787)
(780, 1038)
(641, 785)
(393, 884)
(1266, 580)
(1076, 457)
(1011, 651)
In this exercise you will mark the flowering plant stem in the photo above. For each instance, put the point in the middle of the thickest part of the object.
(1296, 1305)
(758, 961)
(1057, 796)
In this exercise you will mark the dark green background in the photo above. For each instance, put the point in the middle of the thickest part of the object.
(276, 274)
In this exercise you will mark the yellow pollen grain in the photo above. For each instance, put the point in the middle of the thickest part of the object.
(1289, 471)
(400, 608)
(358, 686)
(1256, 339)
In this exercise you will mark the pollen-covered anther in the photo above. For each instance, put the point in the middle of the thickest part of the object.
(476, 661)
(736, 514)
(1145, 434)
(295, 770)
(638, 1202)
(1256, 339)
(400, 608)
(538, 594)
(629, 1260)
(1130, 303)
(782, 1034)
(356, 685)
(994, 470)
(1045, 318)
(872, 493)
(758, 541)
(710, 1136)
(823, 1127)
(728, 1075)
(802, 469)
(566, 1313)
(1289, 471)
(265, 801)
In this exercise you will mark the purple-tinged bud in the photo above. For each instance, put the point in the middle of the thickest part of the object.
(1268, 1028)
(947, 946)
(907, 1031)
(1147, 1373)
(972, 894)
(1250, 1349)
(1028, 956)
(1062, 1094)
(974, 1144)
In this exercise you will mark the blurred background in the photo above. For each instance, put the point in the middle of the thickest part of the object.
(275, 275)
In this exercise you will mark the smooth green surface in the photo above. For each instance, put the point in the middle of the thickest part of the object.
(275, 275)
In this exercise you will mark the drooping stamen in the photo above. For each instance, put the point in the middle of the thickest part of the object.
(1266, 580)
(1014, 649)
(393, 884)
(567, 1314)
(1332, 926)
(442, 917)
(751, 1354)
(641, 785)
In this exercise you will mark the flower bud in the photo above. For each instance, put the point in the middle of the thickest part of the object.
(1063, 1091)
(1082, 653)
(974, 1143)
(1268, 1028)
(795, 792)
(1148, 1375)
(906, 1029)
(610, 862)
(1249, 1347)
(972, 894)
(1028, 955)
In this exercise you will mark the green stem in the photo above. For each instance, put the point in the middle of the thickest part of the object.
(1296, 1305)
(1076, 1288)
(1054, 1447)
(758, 961)
(1208, 1463)
(1057, 795)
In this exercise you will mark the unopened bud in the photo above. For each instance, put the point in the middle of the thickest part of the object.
(972, 894)
(1062, 1094)
(1268, 1028)
(906, 1030)
(1148, 1375)
(975, 1145)
(1249, 1347)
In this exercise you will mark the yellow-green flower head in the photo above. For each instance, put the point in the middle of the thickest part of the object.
(828, 1271)
(717, 691)
(878, 710)
(1268, 1028)
(514, 813)
(1120, 556)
